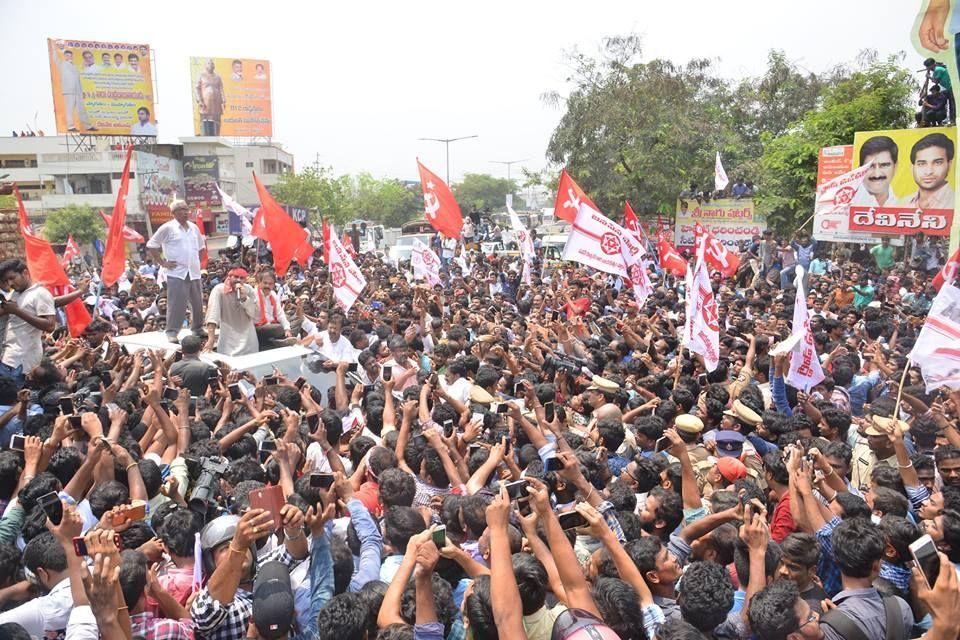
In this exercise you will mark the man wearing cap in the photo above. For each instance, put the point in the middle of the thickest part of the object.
(875, 450)
(689, 427)
(176, 246)
(233, 308)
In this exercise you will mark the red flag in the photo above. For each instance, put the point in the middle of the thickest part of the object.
(115, 255)
(348, 244)
(204, 256)
(439, 205)
(285, 236)
(71, 251)
(128, 234)
(569, 196)
(670, 259)
(948, 273)
(325, 233)
(716, 255)
(47, 270)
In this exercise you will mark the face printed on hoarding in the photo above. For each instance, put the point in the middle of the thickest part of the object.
(930, 168)
(878, 179)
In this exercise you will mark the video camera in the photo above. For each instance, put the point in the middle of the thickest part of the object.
(204, 494)
(570, 364)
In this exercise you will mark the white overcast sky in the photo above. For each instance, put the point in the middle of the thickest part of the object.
(358, 82)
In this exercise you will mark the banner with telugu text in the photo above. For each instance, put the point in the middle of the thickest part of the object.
(730, 221)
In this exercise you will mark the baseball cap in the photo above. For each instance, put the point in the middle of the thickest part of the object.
(273, 606)
(577, 624)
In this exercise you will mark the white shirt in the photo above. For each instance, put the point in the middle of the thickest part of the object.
(82, 624)
(339, 351)
(47, 613)
(459, 389)
(24, 342)
(182, 245)
(864, 198)
(143, 129)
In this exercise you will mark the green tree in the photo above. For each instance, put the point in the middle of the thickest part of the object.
(83, 223)
(386, 201)
(871, 94)
(318, 190)
(483, 191)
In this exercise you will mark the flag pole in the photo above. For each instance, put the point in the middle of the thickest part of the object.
(806, 222)
(906, 368)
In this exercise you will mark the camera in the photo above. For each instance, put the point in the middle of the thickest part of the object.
(204, 493)
(569, 364)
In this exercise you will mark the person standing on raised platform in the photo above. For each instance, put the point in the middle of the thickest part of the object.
(233, 308)
(176, 247)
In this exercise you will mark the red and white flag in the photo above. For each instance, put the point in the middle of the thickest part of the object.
(601, 243)
(425, 263)
(345, 277)
(948, 273)
(704, 321)
(128, 234)
(720, 179)
(831, 209)
(805, 371)
(439, 205)
(670, 258)
(936, 351)
(525, 242)
(716, 255)
(204, 255)
(70, 251)
(115, 254)
(569, 197)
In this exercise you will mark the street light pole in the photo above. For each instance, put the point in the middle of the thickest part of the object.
(508, 163)
(446, 142)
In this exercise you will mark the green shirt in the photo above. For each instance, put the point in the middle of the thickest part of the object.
(883, 255)
(862, 296)
(942, 77)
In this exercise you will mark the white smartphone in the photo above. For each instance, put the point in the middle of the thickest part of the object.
(924, 552)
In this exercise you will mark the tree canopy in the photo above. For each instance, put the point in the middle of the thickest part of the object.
(483, 191)
(645, 130)
(83, 223)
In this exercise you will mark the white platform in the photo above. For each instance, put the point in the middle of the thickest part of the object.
(290, 360)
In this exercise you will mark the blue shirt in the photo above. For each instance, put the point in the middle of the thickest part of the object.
(859, 388)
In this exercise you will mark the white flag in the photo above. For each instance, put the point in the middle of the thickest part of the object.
(595, 241)
(805, 371)
(245, 215)
(632, 252)
(687, 305)
(935, 350)
(831, 210)
(720, 179)
(525, 242)
(425, 263)
(704, 321)
(345, 277)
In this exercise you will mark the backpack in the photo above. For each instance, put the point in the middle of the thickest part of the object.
(846, 627)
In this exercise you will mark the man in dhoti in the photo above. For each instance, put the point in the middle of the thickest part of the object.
(72, 92)
(233, 309)
(211, 99)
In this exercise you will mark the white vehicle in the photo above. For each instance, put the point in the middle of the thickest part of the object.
(371, 235)
(403, 248)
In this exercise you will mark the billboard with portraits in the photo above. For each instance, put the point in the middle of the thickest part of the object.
(231, 97)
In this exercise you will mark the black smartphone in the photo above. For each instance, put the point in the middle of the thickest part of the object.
(321, 480)
(66, 405)
(516, 489)
(75, 421)
(266, 448)
(171, 393)
(924, 552)
(662, 444)
(518, 389)
(106, 378)
(440, 537)
(502, 408)
(549, 411)
(387, 372)
(352, 367)
(51, 505)
(271, 380)
(300, 382)
(571, 520)
(192, 407)
(17, 442)
(553, 464)
(313, 421)
(235, 391)
(555, 316)
(178, 356)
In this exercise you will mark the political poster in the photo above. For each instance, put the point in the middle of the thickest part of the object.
(102, 88)
(231, 97)
(910, 187)
(161, 181)
(833, 162)
(729, 220)
(200, 177)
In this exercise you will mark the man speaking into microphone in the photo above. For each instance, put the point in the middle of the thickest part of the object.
(233, 308)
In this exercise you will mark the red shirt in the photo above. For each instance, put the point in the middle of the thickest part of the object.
(782, 524)
(369, 495)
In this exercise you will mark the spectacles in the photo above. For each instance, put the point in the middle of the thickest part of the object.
(812, 617)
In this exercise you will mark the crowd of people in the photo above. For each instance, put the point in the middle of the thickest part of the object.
(489, 459)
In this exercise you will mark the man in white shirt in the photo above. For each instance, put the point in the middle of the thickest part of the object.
(876, 191)
(143, 126)
(455, 382)
(176, 247)
(24, 315)
(46, 616)
(273, 327)
(931, 159)
(333, 344)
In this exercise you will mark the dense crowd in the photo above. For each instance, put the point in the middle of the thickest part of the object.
(488, 460)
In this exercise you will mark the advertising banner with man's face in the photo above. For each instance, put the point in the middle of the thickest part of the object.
(730, 221)
(910, 187)
(231, 97)
(161, 181)
(102, 88)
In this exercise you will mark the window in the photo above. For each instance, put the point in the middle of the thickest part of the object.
(12, 164)
(269, 166)
(248, 165)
